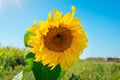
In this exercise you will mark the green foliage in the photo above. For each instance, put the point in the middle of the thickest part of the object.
(94, 70)
(44, 72)
(27, 37)
(10, 58)
(62, 73)
(40, 71)
(29, 60)
(83, 70)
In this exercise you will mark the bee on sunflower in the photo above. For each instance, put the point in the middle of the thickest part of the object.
(59, 40)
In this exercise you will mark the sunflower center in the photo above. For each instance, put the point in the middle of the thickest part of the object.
(58, 39)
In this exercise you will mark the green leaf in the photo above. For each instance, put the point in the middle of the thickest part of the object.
(37, 70)
(29, 55)
(40, 72)
(27, 37)
(62, 73)
(51, 74)
(29, 58)
(44, 73)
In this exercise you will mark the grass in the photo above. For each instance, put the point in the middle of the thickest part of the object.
(92, 70)
(12, 62)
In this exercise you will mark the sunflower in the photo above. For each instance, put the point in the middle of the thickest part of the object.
(58, 40)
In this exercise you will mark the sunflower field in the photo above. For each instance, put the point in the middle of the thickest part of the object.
(12, 62)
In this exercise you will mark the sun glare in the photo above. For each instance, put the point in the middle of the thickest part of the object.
(18, 3)
(15, 2)
(1, 4)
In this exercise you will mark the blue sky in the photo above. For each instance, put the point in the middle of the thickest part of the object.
(101, 19)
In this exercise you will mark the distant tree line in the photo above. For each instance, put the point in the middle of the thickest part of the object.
(108, 59)
(113, 59)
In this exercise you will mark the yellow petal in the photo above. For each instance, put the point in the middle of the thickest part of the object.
(69, 58)
(54, 23)
(35, 29)
(63, 63)
(73, 10)
(43, 23)
(75, 20)
(41, 47)
(49, 16)
(75, 27)
(57, 14)
(38, 57)
(67, 17)
(34, 22)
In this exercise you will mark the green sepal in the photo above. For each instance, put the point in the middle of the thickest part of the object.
(29, 55)
(27, 37)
